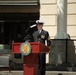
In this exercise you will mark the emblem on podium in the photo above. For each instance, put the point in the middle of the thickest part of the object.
(25, 48)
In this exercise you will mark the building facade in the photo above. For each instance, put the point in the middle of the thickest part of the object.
(17, 15)
(48, 12)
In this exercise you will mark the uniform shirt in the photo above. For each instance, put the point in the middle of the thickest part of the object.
(39, 31)
(41, 37)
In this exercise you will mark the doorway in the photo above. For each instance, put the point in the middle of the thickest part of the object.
(13, 26)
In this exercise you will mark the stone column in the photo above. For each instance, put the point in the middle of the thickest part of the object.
(61, 19)
(58, 47)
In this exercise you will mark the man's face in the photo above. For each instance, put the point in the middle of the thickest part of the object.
(39, 26)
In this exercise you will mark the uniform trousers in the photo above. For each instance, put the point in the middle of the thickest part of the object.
(41, 63)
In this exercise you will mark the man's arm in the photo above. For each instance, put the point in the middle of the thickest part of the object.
(48, 39)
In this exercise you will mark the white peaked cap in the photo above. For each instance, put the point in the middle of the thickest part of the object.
(39, 21)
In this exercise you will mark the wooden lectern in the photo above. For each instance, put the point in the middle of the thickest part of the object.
(31, 61)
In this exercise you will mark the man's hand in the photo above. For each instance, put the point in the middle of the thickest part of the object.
(42, 36)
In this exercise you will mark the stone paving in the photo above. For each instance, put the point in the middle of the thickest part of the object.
(47, 73)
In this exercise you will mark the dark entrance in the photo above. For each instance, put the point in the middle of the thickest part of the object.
(13, 26)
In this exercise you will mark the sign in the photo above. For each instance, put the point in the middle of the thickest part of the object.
(25, 48)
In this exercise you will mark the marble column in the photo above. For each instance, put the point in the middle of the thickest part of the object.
(58, 46)
(61, 19)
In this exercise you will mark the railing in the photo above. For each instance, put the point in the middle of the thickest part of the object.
(70, 48)
(66, 48)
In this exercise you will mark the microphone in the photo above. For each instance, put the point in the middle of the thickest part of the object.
(34, 25)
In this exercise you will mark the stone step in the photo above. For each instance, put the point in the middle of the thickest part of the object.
(62, 67)
(47, 73)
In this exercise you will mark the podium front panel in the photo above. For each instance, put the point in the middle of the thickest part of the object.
(36, 47)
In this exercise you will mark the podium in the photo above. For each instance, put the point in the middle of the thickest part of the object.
(30, 64)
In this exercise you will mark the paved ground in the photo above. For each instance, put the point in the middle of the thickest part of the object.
(47, 73)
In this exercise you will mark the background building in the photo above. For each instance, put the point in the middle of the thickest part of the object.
(48, 13)
(17, 15)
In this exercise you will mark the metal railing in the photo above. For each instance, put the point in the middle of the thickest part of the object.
(70, 48)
